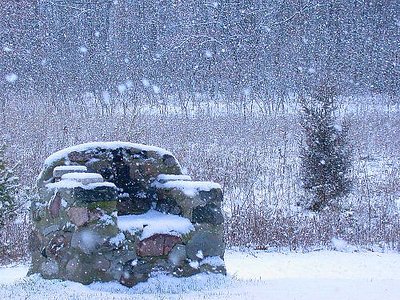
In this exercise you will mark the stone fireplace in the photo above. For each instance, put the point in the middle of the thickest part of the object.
(118, 211)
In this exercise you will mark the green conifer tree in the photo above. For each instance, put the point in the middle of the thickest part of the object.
(325, 154)
(8, 190)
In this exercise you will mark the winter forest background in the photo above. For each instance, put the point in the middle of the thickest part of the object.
(220, 84)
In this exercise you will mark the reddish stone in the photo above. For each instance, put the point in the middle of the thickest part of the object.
(157, 245)
(78, 215)
(79, 156)
(55, 206)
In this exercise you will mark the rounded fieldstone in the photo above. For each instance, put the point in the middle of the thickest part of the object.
(209, 213)
(55, 205)
(49, 268)
(210, 244)
(157, 245)
(135, 272)
(86, 240)
(78, 215)
(169, 160)
(72, 266)
(101, 263)
(212, 196)
(177, 256)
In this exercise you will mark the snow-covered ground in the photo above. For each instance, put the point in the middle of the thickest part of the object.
(252, 275)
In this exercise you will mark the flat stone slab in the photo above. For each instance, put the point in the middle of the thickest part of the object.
(61, 170)
(187, 196)
(95, 193)
(72, 184)
(154, 222)
(189, 188)
(163, 178)
(84, 178)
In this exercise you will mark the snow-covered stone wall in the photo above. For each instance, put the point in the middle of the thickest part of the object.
(122, 211)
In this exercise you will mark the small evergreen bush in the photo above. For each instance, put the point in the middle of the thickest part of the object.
(8, 190)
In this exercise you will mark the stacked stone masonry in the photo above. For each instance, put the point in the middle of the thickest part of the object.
(122, 212)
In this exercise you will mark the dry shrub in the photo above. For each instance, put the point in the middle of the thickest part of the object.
(14, 241)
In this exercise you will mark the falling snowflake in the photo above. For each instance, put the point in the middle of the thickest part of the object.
(129, 83)
(208, 54)
(121, 88)
(11, 78)
(83, 49)
(156, 89)
(145, 82)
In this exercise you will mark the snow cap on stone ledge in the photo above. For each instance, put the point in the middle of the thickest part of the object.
(103, 145)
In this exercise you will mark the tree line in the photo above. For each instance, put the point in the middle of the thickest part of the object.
(63, 49)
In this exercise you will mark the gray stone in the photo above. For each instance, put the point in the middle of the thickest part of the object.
(82, 177)
(206, 268)
(163, 178)
(98, 194)
(185, 203)
(57, 245)
(50, 229)
(38, 211)
(35, 241)
(67, 195)
(125, 256)
(49, 268)
(206, 241)
(169, 160)
(135, 272)
(116, 270)
(177, 256)
(86, 240)
(72, 266)
(84, 269)
(212, 196)
(131, 204)
(100, 166)
(209, 213)
(186, 270)
(61, 170)
(168, 206)
(105, 207)
(101, 263)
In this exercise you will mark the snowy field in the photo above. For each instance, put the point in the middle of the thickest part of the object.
(252, 275)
